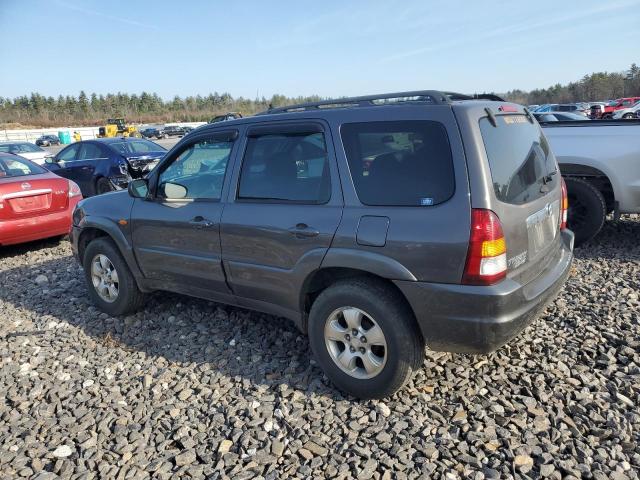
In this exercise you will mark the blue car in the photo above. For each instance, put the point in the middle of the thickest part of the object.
(106, 164)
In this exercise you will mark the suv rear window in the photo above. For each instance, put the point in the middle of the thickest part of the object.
(401, 163)
(520, 159)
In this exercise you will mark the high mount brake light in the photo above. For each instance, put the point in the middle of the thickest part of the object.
(565, 206)
(508, 108)
(487, 255)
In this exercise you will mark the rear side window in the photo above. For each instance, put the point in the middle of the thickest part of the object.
(403, 163)
(520, 159)
(287, 167)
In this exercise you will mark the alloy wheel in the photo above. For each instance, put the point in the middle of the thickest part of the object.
(355, 342)
(104, 277)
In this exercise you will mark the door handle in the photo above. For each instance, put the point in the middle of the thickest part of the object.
(302, 230)
(201, 222)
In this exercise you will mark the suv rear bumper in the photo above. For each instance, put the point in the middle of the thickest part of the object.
(472, 319)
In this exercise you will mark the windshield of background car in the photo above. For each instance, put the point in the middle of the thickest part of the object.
(399, 163)
(17, 167)
(19, 148)
(520, 159)
(137, 147)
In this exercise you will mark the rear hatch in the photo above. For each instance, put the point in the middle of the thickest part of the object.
(527, 191)
(32, 195)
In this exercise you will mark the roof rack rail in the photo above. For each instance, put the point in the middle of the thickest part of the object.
(433, 97)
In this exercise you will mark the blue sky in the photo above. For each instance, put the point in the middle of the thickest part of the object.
(329, 48)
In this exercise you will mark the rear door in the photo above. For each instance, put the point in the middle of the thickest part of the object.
(84, 167)
(524, 186)
(283, 213)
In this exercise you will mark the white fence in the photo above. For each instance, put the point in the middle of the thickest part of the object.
(87, 133)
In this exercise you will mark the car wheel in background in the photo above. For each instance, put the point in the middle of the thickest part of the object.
(627, 116)
(365, 337)
(587, 209)
(103, 186)
(111, 285)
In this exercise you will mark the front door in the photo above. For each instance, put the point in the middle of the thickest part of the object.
(63, 162)
(280, 221)
(85, 165)
(176, 231)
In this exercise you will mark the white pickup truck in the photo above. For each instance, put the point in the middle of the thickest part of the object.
(600, 162)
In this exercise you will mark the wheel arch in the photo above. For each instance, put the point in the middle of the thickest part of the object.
(319, 280)
(100, 228)
(595, 177)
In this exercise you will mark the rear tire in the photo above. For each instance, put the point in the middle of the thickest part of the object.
(587, 209)
(627, 116)
(128, 297)
(396, 354)
(103, 186)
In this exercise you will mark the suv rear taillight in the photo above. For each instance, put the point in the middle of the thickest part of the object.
(487, 256)
(565, 206)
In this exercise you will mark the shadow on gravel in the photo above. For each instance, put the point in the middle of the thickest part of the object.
(616, 240)
(259, 348)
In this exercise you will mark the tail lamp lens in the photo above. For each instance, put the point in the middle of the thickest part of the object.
(487, 255)
(74, 190)
(565, 206)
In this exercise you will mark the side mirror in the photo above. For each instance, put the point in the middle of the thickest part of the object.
(138, 188)
(49, 159)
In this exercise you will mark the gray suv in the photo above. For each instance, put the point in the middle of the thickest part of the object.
(377, 224)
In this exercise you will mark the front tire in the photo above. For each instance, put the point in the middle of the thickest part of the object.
(587, 209)
(365, 338)
(110, 283)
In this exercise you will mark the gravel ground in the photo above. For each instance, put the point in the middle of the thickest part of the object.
(191, 389)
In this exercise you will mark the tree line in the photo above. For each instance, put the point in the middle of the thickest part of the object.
(36, 110)
(41, 111)
(592, 87)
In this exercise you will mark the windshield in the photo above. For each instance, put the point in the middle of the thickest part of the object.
(18, 148)
(17, 167)
(520, 159)
(136, 147)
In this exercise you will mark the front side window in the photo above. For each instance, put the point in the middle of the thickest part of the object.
(286, 167)
(402, 163)
(68, 154)
(198, 172)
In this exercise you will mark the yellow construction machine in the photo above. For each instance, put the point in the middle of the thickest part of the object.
(117, 127)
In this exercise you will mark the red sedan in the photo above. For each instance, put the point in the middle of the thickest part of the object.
(34, 203)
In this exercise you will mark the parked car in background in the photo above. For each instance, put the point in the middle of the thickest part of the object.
(173, 131)
(187, 129)
(26, 150)
(34, 203)
(599, 162)
(226, 117)
(153, 132)
(577, 108)
(47, 140)
(106, 164)
(618, 104)
(441, 221)
(596, 110)
(627, 113)
(559, 117)
(549, 107)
